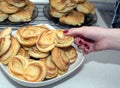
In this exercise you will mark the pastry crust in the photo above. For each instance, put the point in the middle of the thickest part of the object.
(6, 31)
(35, 71)
(63, 5)
(13, 50)
(28, 35)
(3, 16)
(52, 70)
(7, 8)
(73, 18)
(71, 53)
(55, 13)
(25, 15)
(35, 53)
(60, 59)
(17, 3)
(17, 65)
(63, 40)
(46, 41)
(5, 44)
(79, 1)
(86, 7)
(23, 52)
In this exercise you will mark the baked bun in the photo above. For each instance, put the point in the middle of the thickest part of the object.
(60, 59)
(63, 40)
(63, 5)
(86, 7)
(35, 53)
(35, 71)
(52, 70)
(7, 8)
(17, 3)
(3, 16)
(73, 18)
(27, 35)
(55, 13)
(25, 15)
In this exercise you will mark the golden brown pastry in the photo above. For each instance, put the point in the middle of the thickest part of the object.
(86, 7)
(35, 53)
(60, 59)
(79, 1)
(25, 15)
(35, 71)
(46, 41)
(63, 5)
(27, 35)
(52, 70)
(55, 13)
(17, 65)
(7, 8)
(17, 3)
(5, 40)
(3, 16)
(5, 44)
(23, 53)
(6, 31)
(63, 40)
(73, 18)
(13, 50)
(71, 53)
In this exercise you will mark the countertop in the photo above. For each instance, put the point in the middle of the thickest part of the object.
(99, 70)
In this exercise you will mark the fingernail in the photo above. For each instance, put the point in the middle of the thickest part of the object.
(80, 41)
(85, 44)
(66, 31)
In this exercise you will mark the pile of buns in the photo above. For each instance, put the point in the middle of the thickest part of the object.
(16, 10)
(36, 53)
(71, 12)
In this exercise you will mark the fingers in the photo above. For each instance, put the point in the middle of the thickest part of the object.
(73, 31)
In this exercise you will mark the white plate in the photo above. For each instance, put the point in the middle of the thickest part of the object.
(71, 69)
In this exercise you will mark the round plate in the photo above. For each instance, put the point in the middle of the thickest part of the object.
(89, 18)
(7, 22)
(72, 68)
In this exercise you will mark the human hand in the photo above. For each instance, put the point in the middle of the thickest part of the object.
(89, 39)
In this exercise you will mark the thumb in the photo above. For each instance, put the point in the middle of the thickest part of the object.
(73, 31)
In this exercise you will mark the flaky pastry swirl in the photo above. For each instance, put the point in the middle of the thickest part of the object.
(28, 35)
(46, 41)
(17, 65)
(17, 3)
(52, 70)
(35, 53)
(60, 59)
(7, 8)
(5, 44)
(13, 50)
(63, 40)
(63, 5)
(71, 53)
(35, 71)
